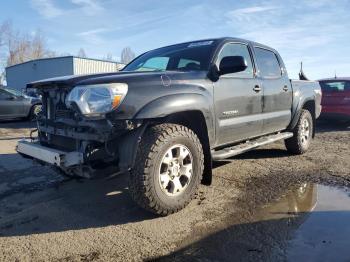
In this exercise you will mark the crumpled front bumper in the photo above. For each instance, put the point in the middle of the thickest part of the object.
(48, 155)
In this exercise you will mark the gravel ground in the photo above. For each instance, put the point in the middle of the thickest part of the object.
(45, 217)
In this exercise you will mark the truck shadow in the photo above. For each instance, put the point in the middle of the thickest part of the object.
(260, 153)
(17, 124)
(324, 126)
(70, 205)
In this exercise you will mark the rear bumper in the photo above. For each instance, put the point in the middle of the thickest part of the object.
(49, 155)
(335, 116)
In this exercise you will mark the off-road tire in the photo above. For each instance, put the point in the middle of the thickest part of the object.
(143, 184)
(294, 144)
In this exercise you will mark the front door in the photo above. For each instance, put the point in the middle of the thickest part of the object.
(277, 100)
(238, 99)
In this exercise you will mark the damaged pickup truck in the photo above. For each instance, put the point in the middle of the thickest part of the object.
(169, 113)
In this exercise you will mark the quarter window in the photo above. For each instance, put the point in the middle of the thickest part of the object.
(236, 49)
(268, 63)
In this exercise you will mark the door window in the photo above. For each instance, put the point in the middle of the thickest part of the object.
(188, 64)
(268, 64)
(236, 49)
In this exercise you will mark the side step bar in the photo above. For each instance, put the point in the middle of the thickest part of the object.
(248, 145)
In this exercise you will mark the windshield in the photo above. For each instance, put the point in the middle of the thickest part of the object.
(193, 56)
(335, 86)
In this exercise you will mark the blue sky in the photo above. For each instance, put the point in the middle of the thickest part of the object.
(313, 31)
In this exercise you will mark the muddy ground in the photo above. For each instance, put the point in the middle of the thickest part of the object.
(46, 217)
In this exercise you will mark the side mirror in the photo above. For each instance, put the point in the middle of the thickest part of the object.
(232, 64)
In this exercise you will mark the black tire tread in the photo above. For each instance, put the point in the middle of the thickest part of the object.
(140, 176)
(293, 144)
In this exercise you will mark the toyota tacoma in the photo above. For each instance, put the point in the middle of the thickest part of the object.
(170, 113)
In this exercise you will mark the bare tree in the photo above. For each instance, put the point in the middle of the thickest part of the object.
(127, 55)
(108, 57)
(5, 28)
(81, 53)
(23, 47)
(17, 47)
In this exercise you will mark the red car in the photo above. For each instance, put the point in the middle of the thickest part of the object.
(335, 98)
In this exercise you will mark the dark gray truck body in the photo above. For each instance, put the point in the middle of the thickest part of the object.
(222, 110)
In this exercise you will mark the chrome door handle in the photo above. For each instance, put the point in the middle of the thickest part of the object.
(285, 88)
(257, 88)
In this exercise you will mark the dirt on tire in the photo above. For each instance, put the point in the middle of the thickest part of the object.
(142, 185)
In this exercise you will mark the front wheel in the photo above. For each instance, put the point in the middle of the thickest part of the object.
(300, 142)
(168, 170)
(34, 112)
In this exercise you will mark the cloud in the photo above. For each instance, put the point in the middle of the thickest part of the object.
(46, 8)
(246, 13)
(252, 10)
(303, 32)
(89, 7)
(93, 36)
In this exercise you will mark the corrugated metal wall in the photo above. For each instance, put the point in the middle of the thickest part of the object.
(89, 66)
(18, 76)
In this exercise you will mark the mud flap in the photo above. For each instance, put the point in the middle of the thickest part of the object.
(127, 148)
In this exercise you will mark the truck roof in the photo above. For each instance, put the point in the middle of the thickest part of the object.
(224, 39)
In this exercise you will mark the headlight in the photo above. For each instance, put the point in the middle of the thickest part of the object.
(97, 99)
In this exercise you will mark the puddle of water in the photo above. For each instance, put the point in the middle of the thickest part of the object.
(309, 223)
(325, 234)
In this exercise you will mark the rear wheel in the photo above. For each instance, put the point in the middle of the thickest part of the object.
(168, 170)
(300, 142)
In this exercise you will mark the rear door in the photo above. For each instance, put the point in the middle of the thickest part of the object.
(277, 96)
(237, 98)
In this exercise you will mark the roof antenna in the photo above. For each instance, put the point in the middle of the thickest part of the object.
(301, 73)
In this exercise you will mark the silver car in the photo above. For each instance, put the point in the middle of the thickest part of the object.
(14, 104)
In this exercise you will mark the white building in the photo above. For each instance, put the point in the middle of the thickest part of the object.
(17, 76)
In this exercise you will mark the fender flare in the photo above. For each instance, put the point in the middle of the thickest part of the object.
(177, 103)
(298, 109)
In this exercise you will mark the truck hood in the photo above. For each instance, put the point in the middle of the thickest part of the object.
(125, 77)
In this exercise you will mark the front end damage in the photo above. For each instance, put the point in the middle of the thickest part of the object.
(77, 144)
